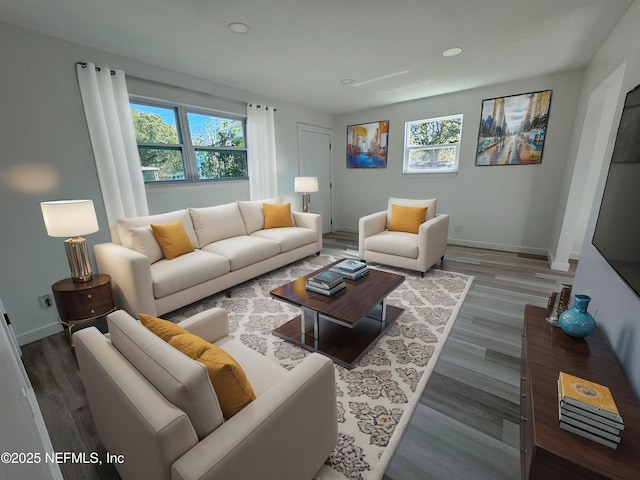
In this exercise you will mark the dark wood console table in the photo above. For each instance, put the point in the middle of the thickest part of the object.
(547, 451)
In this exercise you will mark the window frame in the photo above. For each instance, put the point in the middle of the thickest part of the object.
(186, 147)
(406, 170)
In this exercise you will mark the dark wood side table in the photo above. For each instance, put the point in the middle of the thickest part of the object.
(547, 451)
(84, 302)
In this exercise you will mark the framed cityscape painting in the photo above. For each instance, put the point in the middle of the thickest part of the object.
(513, 129)
(367, 145)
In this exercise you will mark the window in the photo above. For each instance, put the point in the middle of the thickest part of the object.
(177, 143)
(432, 145)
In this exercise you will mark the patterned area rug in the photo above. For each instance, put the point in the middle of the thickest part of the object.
(378, 396)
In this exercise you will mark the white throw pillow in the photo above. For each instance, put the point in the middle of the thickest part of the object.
(144, 242)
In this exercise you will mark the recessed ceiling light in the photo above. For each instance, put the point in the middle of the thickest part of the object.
(346, 81)
(238, 27)
(452, 52)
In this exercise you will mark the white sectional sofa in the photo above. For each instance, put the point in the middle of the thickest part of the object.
(230, 244)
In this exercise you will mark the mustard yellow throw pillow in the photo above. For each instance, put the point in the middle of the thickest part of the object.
(227, 377)
(173, 239)
(406, 219)
(277, 215)
(165, 329)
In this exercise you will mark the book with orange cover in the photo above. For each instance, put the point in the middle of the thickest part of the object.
(589, 396)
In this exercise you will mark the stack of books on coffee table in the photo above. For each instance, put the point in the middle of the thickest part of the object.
(588, 409)
(326, 283)
(351, 269)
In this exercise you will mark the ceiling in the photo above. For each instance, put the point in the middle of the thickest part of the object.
(299, 51)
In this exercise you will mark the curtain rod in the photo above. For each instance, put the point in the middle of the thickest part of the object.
(266, 107)
(98, 69)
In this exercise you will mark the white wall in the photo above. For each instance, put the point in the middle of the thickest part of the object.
(46, 155)
(501, 207)
(613, 304)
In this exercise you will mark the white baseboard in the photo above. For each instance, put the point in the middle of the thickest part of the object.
(489, 246)
(498, 246)
(346, 229)
(38, 333)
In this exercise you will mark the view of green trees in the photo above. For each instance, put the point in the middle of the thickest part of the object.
(226, 160)
(433, 134)
(151, 128)
(218, 144)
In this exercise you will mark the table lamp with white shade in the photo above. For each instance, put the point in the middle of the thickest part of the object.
(306, 185)
(72, 218)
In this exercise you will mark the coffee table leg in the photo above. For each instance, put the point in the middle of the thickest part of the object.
(312, 316)
(380, 314)
(383, 313)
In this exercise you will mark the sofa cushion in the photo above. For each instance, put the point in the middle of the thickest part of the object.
(277, 216)
(171, 276)
(400, 244)
(125, 224)
(144, 242)
(289, 238)
(253, 213)
(165, 329)
(172, 238)
(244, 251)
(217, 223)
(430, 203)
(182, 381)
(407, 219)
(232, 388)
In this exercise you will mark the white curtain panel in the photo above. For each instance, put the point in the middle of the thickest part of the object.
(106, 107)
(261, 149)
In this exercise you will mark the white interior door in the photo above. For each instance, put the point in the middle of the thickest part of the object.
(314, 157)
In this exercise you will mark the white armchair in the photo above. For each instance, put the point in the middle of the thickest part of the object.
(157, 408)
(413, 251)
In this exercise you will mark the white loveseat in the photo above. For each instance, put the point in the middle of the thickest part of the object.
(157, 409)
(231, 246)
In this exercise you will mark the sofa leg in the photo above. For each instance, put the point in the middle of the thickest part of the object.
(422, 274)
(441, 261)
(227, 293)
(317, 254)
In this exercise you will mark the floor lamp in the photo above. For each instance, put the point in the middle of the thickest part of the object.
(306, 185)
(72, 218)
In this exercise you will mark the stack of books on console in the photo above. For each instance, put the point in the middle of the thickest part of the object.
(588, 409)
(351, 269)
(326, 283)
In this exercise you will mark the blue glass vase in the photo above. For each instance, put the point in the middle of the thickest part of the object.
(576, 321)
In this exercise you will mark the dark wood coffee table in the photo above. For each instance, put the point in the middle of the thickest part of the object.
(344, 325)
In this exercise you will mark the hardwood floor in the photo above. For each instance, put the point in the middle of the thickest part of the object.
(466, 424)
(53, 371)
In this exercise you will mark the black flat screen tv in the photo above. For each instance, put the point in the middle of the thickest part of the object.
(617, 232)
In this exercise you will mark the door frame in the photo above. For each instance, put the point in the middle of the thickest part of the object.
(305, 127)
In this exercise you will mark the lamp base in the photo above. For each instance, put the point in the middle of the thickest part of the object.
(306, 202)
(78, 257)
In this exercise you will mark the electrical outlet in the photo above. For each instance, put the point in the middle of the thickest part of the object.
(45, 301)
